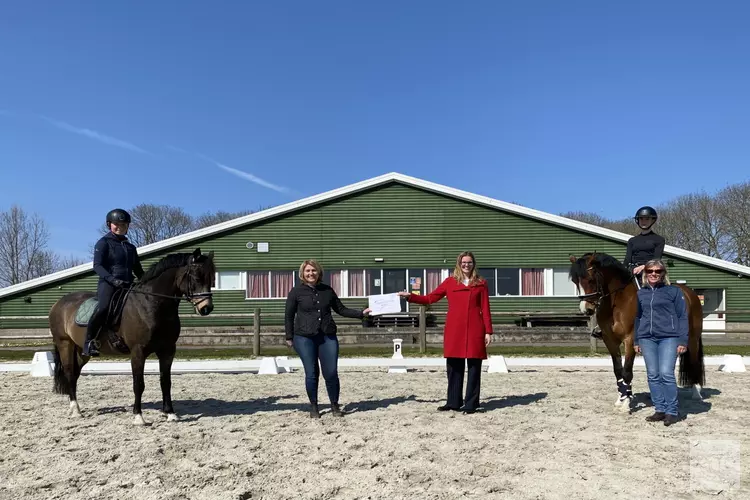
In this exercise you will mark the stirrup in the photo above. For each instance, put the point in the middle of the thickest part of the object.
(92, 348)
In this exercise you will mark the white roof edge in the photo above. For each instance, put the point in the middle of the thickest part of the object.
(367, 184)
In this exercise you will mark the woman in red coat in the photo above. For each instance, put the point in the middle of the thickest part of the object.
(468, 330)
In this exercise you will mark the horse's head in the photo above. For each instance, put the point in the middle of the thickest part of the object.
(597, 275)
(196, 279)
(584, 273)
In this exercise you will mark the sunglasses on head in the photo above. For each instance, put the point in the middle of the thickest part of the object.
(654, 271)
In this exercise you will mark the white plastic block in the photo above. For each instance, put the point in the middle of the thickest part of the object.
(732, 364)
(268, 366)
(41, 364)
(497, 365)
(283, 363)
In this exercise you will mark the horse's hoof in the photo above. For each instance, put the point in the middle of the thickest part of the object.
(697, 396)
(625, 406)
(172, 417)
(138, 420)
(74, 411)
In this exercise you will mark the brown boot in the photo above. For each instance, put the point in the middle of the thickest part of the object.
(671, 419)
(336, 410)
(656, 417)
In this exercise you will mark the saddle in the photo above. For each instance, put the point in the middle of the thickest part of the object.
(112, 323)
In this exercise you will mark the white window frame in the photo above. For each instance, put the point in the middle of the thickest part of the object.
(243, 281)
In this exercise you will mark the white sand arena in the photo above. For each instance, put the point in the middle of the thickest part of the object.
(545, 434)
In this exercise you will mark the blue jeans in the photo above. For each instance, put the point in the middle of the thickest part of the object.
(326, 349)
(660, 356)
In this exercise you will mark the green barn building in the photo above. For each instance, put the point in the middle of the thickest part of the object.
(387, 234)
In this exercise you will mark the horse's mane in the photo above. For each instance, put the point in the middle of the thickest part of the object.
(579, 268)
(172, 261)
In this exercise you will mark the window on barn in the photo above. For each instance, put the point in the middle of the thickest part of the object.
(489, 276)
(258, 285)
(508, 281)
(282, 283)
(433, 278)
(229, 280)
(333, 278)
(532, 281)
(561, 284)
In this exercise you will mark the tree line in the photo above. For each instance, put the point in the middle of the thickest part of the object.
(715, 225)
(24, 237)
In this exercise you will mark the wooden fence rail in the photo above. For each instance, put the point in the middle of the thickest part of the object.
(257, 320)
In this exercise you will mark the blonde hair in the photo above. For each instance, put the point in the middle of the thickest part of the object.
(458, 274)
(314, 264)
(658, 264)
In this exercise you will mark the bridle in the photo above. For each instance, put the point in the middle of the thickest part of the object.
(188, 296)
(589, 297)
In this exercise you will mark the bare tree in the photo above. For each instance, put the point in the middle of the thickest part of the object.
(694, 222)
(734, 206)
(211, 219)
(624, 226)
(587, 217)
(61, 262)
(151, 223)
(23, 241)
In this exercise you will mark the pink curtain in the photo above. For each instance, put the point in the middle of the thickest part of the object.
(257, 285)
(433, 280)
(356, 283)
(532, 281)
(336, 282)
(281, 283)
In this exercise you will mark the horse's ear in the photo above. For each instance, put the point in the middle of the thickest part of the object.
(197, 253)
(211, 255)
(572, 259)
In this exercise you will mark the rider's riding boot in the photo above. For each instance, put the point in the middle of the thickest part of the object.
(90, 345)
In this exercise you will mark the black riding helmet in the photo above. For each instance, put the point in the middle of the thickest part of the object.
(118, 215)
(646, 212)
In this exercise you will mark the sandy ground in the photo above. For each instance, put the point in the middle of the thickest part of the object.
(544, 434)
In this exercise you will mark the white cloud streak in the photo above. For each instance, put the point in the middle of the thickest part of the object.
(93, 134)
(239, 173)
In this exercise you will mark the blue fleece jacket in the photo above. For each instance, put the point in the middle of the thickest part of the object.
(662, 312)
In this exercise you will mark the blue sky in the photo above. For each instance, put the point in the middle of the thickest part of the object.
(553, 105)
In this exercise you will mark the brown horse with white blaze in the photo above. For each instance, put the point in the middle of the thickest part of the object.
(149, 323)
(608, 290)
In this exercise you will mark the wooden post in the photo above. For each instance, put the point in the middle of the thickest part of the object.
(592, 344)
(422, 330)
(256, 332)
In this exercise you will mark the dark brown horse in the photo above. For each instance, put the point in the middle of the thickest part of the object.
(608, 290)
(149, 324)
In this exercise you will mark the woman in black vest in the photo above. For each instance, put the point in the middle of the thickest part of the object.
(115, 262)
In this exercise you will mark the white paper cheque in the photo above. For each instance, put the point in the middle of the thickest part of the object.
(384, 304)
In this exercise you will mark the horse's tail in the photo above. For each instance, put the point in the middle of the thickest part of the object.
(62, 386)
(692, 369)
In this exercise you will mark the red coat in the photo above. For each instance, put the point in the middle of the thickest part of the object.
(468, 318)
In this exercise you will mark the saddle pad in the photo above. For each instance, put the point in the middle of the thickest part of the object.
(85, 311)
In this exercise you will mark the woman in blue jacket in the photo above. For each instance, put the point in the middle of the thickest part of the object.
(661, 333)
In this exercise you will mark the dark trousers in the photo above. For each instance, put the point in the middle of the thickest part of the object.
(455, 367)
(104, 293)
(323, 348)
